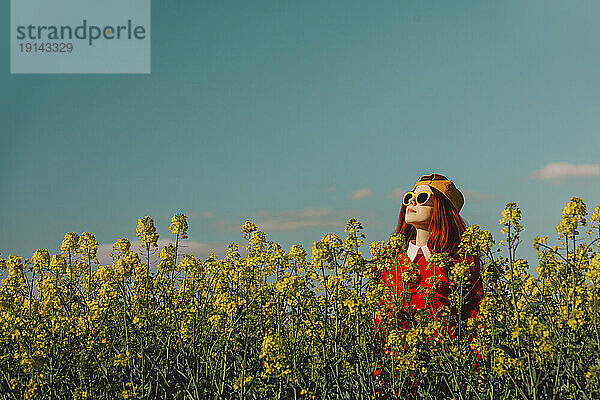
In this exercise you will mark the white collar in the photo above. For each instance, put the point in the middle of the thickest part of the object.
(413, 249)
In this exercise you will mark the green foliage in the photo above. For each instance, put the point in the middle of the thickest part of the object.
(273, 324)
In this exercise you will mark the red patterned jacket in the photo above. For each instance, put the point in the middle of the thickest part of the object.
(419, 286)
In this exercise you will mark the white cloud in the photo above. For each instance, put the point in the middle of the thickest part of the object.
(360, 194)
(199, 249)
(565, 170)
(293, 220)
(477, 196)
(396, 194)
(308, 213)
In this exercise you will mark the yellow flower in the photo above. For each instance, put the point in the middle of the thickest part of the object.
(40, 258)
(511, 216)
(88, 246)
(476, 241)
(573, 214)
(375, 248)
(167, 259)
(122, 246)
(58, 263)
(146, 232)
(121, 359)
(179, 225)
(247, 228)
(353, 226)
(298, 254)
(69, 243)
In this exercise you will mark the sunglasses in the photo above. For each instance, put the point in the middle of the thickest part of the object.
(421, 197)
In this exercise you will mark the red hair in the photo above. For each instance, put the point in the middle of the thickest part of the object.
(445, 228)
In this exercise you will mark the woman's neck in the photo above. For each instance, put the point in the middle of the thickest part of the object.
(422, 237)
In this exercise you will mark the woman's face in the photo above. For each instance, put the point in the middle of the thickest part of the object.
(419, 215)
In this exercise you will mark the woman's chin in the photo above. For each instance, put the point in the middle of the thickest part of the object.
(417, 224)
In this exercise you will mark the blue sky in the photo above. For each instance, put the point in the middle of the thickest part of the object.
(300, 115)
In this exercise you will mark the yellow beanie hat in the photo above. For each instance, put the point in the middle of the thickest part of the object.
(441, 183)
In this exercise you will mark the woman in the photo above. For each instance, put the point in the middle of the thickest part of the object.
(430, 223)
